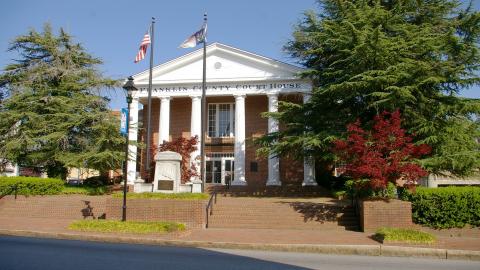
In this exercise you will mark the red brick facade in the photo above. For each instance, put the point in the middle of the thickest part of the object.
(291, 171)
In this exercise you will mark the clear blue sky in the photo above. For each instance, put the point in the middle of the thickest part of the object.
(112, 30)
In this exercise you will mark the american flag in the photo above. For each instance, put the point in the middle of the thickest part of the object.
(143, 48)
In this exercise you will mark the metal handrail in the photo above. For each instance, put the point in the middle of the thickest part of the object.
(213, 198)
(13, 188)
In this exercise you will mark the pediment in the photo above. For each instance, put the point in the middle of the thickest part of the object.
(224, 64)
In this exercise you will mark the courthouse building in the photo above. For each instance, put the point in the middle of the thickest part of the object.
(240, 86)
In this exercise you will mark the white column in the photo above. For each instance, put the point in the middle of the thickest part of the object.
(164, 127)
(196, 129)
(239, 177)
(273, 161)
(308, 162)
(16, 171)
(132, 148)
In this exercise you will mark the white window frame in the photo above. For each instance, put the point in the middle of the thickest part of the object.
(217, 119)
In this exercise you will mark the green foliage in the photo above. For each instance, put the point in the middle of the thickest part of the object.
(409, 236)
(31, 185)
(365, 57)
(84, 190)
(126, 227)
(446, 207)
(96, 181)
(52, 116)
(360, 188)
(164, 196)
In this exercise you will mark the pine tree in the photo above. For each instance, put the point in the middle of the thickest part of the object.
(365, 57)
(52, 115)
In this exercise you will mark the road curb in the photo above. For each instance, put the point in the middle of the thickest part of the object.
(366, 250)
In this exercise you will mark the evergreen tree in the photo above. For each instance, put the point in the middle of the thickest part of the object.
(52, 115)
(368, 56)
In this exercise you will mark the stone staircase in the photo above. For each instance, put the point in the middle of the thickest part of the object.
(282, 213)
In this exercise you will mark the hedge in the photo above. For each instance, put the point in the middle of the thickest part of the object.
(446, 207)
(31, 185)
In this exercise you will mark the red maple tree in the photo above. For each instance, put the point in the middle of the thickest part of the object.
(185, 147)
(384, 154)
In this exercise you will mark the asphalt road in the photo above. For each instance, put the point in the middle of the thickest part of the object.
(33, 253)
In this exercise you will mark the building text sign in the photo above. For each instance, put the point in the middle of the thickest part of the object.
(229, 87)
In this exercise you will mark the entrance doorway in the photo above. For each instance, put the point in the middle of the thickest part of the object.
(219, 168)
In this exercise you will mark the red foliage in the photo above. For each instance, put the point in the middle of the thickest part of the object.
(382, 155)
(185, 147)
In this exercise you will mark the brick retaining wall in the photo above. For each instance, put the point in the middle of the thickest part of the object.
(190, 212)
(70, 207)
(385, 213)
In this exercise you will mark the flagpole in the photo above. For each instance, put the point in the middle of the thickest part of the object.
(149, 101)
(203, 107)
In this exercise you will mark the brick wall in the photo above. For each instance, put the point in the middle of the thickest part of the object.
(385, 213)
(68, 207)
(255, 126)
(180, 117)
(190, 212)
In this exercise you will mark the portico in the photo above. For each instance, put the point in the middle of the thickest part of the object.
(240, 86)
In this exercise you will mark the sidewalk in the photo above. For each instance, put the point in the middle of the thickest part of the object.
(460, 244)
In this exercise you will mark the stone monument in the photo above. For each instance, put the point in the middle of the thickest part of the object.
(167, 172)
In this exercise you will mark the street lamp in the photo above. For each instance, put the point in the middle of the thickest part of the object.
(129, 86)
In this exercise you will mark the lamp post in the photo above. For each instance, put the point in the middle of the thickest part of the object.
(129, 86)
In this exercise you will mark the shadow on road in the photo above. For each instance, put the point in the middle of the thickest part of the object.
(33, 253)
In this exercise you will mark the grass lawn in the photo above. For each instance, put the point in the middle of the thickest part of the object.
(139, 227)
(164, 196)
(84, 190)
(404, 236)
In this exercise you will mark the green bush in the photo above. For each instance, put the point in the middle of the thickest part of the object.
(96, 181)
(409, 236)
(360, 189)
(137, 227)
(447, 207)
(31, 185)
(84, 190)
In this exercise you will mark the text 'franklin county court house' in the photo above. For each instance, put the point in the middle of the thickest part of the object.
(240, 87)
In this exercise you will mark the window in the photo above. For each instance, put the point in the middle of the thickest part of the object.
(221, 120)
(253, 166)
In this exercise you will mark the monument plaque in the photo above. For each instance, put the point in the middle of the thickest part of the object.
(165, 185)
(167, 172)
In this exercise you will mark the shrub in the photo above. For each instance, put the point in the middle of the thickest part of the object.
(84, 190)
(404, 235)
(446, 207)
(185, 147)
(138, 227)
(96, 181)
(31, 185)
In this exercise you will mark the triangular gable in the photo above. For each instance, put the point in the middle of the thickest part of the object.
(224, 64)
